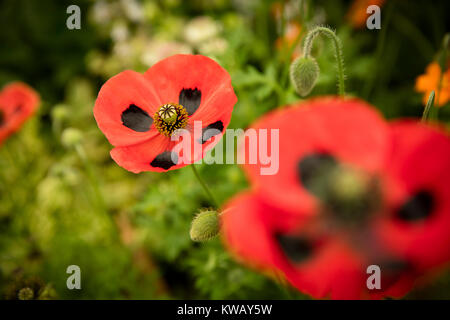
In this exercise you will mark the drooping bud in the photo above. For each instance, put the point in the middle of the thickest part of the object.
(205, 226)
(304, 72)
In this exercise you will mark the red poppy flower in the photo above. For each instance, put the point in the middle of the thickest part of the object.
(141, 114)
(311, 223)
(17, 103)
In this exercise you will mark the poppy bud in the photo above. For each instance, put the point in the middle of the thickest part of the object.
(71, 137)
(205, 226)
(25, 294)
(60, 112)
(304, 74)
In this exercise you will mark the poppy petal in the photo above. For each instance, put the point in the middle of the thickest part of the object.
(197, 82)
(17, 103)
(151, 155)
(253, 245)
(418, 194)
(124, 109)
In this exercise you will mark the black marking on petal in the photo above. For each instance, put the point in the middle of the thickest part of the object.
(391, 269)
(165, 160)
(190, 99)
(136, 119)
(296, 248)
(313, 170)
(2, 118)
(418, 207)
(210, 131)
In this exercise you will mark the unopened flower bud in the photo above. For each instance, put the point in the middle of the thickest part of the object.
(71, 137)
(60, 112)
(205, 226)
(304, 73)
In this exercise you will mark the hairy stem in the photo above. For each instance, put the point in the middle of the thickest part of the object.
(338, 52)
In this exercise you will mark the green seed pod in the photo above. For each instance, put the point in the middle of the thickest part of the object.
(25, 294)
(205, 226)
(304, 73)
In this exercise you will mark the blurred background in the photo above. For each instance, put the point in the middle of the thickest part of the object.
(64, 201)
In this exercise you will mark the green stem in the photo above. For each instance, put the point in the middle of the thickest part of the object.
(428, 107)
(204, 186)
(338, 52)
(378, 52)
(442, 66)
(93, 179)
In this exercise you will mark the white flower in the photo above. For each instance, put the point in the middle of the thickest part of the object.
(119, 32)
(133, 10)
(213, 46)
(201, 29)
(157, 50)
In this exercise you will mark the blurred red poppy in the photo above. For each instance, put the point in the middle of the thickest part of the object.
(352, 191)
(140, 113)
(17, 103)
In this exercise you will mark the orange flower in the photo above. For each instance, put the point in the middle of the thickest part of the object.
(430, 81)
(277, 10)
(357, 14)
(292, 32)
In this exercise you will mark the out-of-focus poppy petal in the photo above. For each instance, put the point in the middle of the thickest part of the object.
(348, 130)
(197, 82)
(17, 103)
(125, 107)
(418, 194)
(333, 271)
(398, 289)
(250, 244)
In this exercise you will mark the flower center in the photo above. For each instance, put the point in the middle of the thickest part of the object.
(351, 195)
(169, 118)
